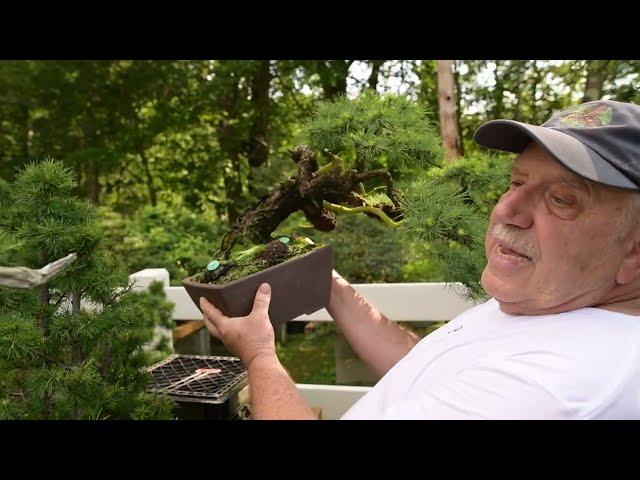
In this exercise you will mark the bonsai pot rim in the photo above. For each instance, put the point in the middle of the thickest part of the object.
(191, 282)
(300, 285)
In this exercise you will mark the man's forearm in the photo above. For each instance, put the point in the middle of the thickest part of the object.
(274, 395)
(379, 342)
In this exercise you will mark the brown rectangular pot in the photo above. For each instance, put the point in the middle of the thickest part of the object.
(299, 286)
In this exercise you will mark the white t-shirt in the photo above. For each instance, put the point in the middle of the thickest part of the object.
(486, 364)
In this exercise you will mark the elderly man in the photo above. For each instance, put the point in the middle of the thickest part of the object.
(560, 337)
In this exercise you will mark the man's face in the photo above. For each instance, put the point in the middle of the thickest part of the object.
(555, 241)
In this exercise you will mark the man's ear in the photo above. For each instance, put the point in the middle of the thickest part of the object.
(630, 268)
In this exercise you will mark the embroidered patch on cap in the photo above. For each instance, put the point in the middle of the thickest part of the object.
(587, 116)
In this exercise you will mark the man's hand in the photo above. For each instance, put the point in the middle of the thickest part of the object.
(246, 337)
(274, 395)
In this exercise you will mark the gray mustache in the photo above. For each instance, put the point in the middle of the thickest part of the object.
(514, 239)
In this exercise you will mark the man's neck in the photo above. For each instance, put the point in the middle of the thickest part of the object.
(620, 298)
(623, 299)
(631, 307)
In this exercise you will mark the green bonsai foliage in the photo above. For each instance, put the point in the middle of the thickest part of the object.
(73, 348)
(376, 132)
(449, 230)
(482, 178)
(450, 208)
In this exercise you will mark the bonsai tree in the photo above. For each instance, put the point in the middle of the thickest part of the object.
(350, 144)
(351, 154)
(72, 346)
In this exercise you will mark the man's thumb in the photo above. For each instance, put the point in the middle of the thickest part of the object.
(263, 297)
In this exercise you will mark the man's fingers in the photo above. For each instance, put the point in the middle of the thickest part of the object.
(262, 300)
(215, 316)
(213, 330)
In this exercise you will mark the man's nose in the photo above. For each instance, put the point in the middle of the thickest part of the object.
(515, 208)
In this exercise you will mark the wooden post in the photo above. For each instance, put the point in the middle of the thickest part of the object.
(191, 337)
(281, 333)
(448, 117)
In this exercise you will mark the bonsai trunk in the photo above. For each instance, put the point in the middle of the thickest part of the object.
(318, 193)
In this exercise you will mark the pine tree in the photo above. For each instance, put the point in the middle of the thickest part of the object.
(73, 348)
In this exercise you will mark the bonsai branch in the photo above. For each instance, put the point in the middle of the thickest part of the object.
(319, 193)
(363, 209)
(373, 190)
(391, 191)
(336, 165)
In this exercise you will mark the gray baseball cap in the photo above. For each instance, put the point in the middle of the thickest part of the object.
(597, 140)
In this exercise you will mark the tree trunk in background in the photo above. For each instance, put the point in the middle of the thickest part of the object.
(233, 187)
(516, 89)
(27, 135)
(456, 76)
(498, 93)
(333, 76)
(375, 74)
(230, 145)
(75, 302)
(448, 116)
(92, 166)
(596, 76)
(147, 172)
(258, 149)
(93, 181)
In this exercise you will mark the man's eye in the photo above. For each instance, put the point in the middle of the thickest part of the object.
(515, 183)
(561, 202)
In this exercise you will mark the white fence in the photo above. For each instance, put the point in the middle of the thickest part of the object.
(409, 302)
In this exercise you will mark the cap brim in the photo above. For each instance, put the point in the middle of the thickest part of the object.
(512, 136)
